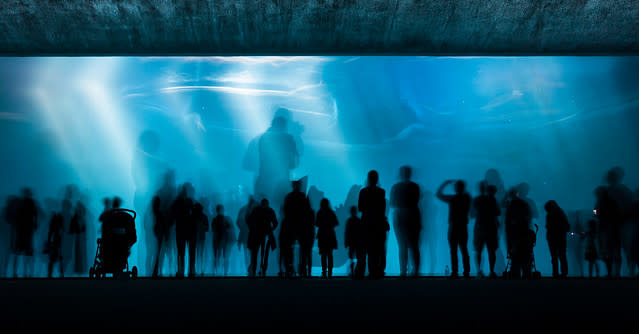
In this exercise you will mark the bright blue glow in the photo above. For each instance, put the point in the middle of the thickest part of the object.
(557, 123)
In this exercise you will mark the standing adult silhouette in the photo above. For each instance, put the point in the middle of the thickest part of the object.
(185, 229)
(458, 208)
(297, 224)
(407, 221)
(557, 227)
(326, 237)
(372, 205)
(486, 212)
(262, 222)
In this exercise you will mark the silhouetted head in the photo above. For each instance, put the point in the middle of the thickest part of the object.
(523, 189)
(615, 175)
(325, 204)
(27, 192)
(492, 190)
(482, 187)
(219, 209)
(264, 203)
(551, 206)
(106, 202)
(297, 186)
(117, 202)
(372, 178)
(353, 211)
(279, 124)
(460, 187)
(405, 173)
(188, 190)
(198, 208)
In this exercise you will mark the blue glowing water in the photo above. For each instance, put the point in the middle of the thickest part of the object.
(557, 123)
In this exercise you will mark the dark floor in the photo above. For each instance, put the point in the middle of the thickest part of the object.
(315, 305)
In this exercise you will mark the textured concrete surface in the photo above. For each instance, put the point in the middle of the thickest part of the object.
(221, 27)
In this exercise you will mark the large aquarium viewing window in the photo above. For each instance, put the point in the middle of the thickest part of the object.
(77, 130)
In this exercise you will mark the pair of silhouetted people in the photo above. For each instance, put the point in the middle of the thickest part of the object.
(22, 214)
(458, 209)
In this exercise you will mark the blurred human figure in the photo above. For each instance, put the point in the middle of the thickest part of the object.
(273, 155)
(163, 222)
(622, 195)
(372, 205)
(518, 237)
(634, 233)
(54, 243)
(297, 224)
(590, 254)
(262, 222)
(407, 220)
(221, 228)
(243, 227)
(185, 230)
(326, 238)
(609, 214)
(24, 220)
(201, 222)
(493, 178)
(458, 209)
(557, 227)
(354, 242)
(486, 212)
(77, 229)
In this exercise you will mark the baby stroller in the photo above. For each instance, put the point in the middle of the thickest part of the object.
(523, 256)
(114, 247)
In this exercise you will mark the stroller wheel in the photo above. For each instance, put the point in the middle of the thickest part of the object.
(134, 272)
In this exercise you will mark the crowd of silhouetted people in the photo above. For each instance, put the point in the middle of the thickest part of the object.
(292, 230)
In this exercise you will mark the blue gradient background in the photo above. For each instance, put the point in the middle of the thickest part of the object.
(558, 123)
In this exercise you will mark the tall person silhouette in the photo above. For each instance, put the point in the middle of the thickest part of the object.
(458, 208)
(407, 221)
(372, 205)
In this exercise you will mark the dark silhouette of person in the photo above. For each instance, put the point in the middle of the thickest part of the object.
(54, 243)
(486, 212)
(407, 220)
(243, 227)
(590, 254)
(518, 220)
(354, 242)
(297, 224)
(185, 229)
(221, 228)
(25, 224)
(326, 238)
(262, 222)
(77, 229)
(492, 177)
(634, 233)
(162, 221)
(372, 205)
(458, 209)
(201, 222)
(277, 154)
(557, 227)
(610, 219)
(622, 195)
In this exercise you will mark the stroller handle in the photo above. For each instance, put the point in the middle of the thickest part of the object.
(125, 210)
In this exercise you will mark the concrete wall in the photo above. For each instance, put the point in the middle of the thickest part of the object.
(462, 27)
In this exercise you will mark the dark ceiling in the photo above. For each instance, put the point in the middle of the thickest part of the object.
(252, 27)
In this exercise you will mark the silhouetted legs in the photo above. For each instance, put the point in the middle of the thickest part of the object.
(264, 260)
(592, 264)
(459, 239)
(558, 255)
(327, 264)
(360, 267)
